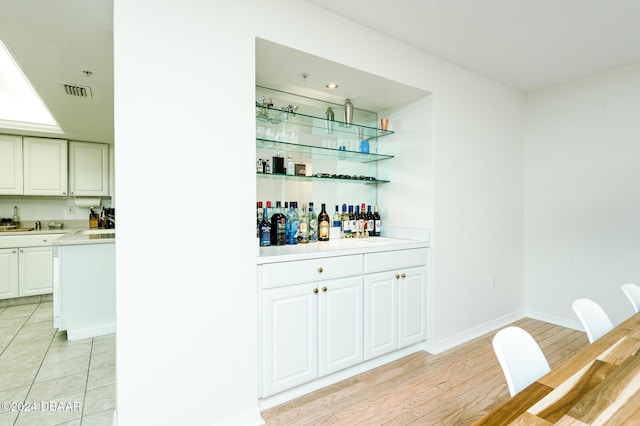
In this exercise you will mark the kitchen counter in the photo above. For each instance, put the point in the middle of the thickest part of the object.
(341, 247)
(86, 236)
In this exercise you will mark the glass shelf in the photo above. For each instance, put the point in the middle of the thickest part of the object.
(273, 116)
(317, 151)
(325, 178)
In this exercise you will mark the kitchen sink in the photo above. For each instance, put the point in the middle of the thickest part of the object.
(97, 231)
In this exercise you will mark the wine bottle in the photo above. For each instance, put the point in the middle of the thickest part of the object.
(313, 224)
(345, 223)
(370, 222)
(259, 213)
(324, 223)
(377, 222)
(336, 218)
(293, 222)
(265, 228)
(303, 228)
(15, 219)
(353, 224)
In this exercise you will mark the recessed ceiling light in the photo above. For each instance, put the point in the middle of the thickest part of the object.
(332, 86)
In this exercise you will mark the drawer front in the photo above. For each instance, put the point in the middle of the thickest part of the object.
(38, 240)
(299, 271)
(392, 260)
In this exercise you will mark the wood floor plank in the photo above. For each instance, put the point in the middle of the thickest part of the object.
(455, 387)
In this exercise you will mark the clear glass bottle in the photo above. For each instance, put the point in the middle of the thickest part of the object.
(313, 224)
(330, 118)
(293, 222)
(290, 169)
(303, 228)
(346, 230)
(15, 219)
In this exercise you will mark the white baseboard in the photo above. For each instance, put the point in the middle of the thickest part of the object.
(77, 333)
(248, 418)
(282, 397)
(437, 346)
(554, 319)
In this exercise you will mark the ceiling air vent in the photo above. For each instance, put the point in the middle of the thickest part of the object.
(76, 90)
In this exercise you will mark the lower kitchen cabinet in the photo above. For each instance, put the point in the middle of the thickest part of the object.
(310, 330)
(35, 270)
(8, 273)
(26, 265)
(331, 314)
(395, 301)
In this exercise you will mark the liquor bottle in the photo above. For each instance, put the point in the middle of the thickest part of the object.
(313, 224)
(259, 213)
(324, 223)
(293, 222)
(345, 223)
(265, 228)
(370, 222)
(278, 226)
(377, 222)
(289, 165)
(353, 224)
(303, 228)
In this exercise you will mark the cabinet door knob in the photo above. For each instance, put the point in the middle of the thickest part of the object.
(13, 252)
(324, 289)
(315, 290)
(21, 251)
(397, 276)
(404, 275)
(320, 270)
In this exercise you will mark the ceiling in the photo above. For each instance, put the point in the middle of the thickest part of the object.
(55, 42)
(525, 44)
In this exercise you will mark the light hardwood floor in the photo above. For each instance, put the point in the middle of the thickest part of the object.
(455, 387)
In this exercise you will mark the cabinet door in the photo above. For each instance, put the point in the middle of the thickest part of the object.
(36, 270)
(380, 314)
(412, 309)
(289, 337)
(45, 166)
(8, 273)
(88, 169)
(10, 165)
(339, 324)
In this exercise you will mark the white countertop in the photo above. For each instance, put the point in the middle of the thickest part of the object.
(86, 236)
(341, 247)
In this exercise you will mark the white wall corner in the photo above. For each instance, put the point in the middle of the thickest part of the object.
(438, 346)
(554, 319)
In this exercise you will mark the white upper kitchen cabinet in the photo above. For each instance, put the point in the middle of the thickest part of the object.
(10, 165)
(45, 166)
(88, 169)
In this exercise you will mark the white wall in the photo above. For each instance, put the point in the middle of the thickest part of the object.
(582, 186)
(187, 323)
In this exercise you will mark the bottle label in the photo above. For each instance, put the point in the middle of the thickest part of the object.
(324, 230)
(378, 227)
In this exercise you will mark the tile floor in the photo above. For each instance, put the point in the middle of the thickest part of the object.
(47, 380)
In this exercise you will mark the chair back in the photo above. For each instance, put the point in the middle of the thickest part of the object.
(632, 291)
(594, 319)
(520, 357)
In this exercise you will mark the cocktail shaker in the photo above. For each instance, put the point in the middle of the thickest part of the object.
(330, 118)
(348, 112)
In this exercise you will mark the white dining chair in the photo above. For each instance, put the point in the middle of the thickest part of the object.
(632, 291)
(520, 357)
(594, 319)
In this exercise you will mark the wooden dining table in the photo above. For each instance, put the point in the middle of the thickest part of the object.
(600, 385)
